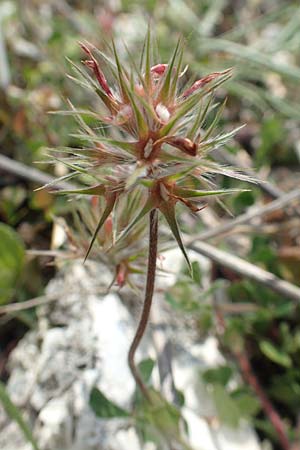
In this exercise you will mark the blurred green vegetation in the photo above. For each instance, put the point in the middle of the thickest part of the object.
(261, 41)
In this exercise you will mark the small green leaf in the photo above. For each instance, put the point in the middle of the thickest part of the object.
(105, 408)
(196, 272)
(145, 368)
(181, 297)
(247, 403)
(163, 415)
(168, 210)
(14, 413)
(274, 354)
(218, 375)
(227, 409)
(12, 253)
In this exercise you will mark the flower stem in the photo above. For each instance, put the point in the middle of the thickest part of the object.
(152, 254)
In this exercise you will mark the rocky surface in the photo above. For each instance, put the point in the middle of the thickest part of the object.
(82, 341)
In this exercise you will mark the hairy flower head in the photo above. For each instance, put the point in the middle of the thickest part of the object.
(151, 138)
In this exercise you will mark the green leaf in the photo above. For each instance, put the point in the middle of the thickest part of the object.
(109, 207)
(227, 409)
(219, 375)
(105, 408)
(145, 369)
(247, 403)
(12, 253)
(181, 297)
(163, 415)
(168, 210)
(274, 354)
(196, 272)
(14, 413)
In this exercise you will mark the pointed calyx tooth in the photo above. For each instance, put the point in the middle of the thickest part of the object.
(93, 64)
(162, 112)
(203, 81)
(164, 192)
(148, 148)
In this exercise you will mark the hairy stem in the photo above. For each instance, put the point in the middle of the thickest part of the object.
(153, 233)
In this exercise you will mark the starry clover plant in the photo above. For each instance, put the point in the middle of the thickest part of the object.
(150, 148)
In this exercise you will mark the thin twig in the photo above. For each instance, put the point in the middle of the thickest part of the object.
(248, 270)
(4, 67)
(266, 404)
(251, 378)
(153, 235)
(283, 201)
(27, 304)
(29, 173)
(42, 300)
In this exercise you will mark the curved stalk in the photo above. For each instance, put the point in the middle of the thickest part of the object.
(152, 254)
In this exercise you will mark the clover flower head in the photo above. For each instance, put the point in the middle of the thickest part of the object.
(152, 139)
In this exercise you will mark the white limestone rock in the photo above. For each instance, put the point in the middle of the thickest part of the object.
(82, 341)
